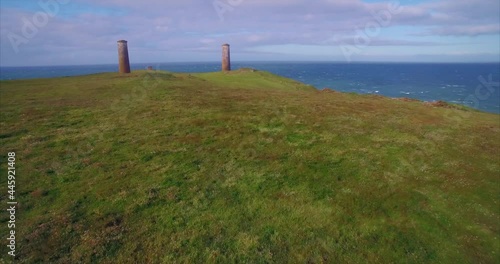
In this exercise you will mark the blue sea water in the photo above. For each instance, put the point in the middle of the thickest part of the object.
(475, 84)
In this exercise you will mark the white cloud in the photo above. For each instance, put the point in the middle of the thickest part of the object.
(159, 25)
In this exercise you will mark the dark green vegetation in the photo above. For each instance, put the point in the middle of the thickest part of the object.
(244, 167)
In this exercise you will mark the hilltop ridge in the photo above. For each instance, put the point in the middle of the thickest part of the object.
(245, 166)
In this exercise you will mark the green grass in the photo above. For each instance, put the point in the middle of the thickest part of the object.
(244, 167)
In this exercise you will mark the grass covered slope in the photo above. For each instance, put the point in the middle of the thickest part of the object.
(244, 167)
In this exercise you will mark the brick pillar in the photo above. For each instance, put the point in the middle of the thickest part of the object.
(226, 58)
(123, 61)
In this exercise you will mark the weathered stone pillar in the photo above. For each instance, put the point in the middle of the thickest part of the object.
(226, 58)
(123, 61)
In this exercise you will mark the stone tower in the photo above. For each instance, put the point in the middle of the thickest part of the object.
(226, 58)
(123, 61)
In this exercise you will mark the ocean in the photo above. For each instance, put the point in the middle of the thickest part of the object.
(471, 84)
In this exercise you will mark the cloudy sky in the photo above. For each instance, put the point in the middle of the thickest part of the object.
(74, 32)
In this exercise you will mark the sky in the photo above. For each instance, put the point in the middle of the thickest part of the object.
(79, 32)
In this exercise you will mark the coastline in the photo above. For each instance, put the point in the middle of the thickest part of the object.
(453, 83)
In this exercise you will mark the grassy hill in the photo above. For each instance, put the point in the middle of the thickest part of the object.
(244, 167)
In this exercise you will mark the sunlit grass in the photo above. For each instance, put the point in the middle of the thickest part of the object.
(245, 167)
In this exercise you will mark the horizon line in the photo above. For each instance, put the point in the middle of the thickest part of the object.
(262, 61)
